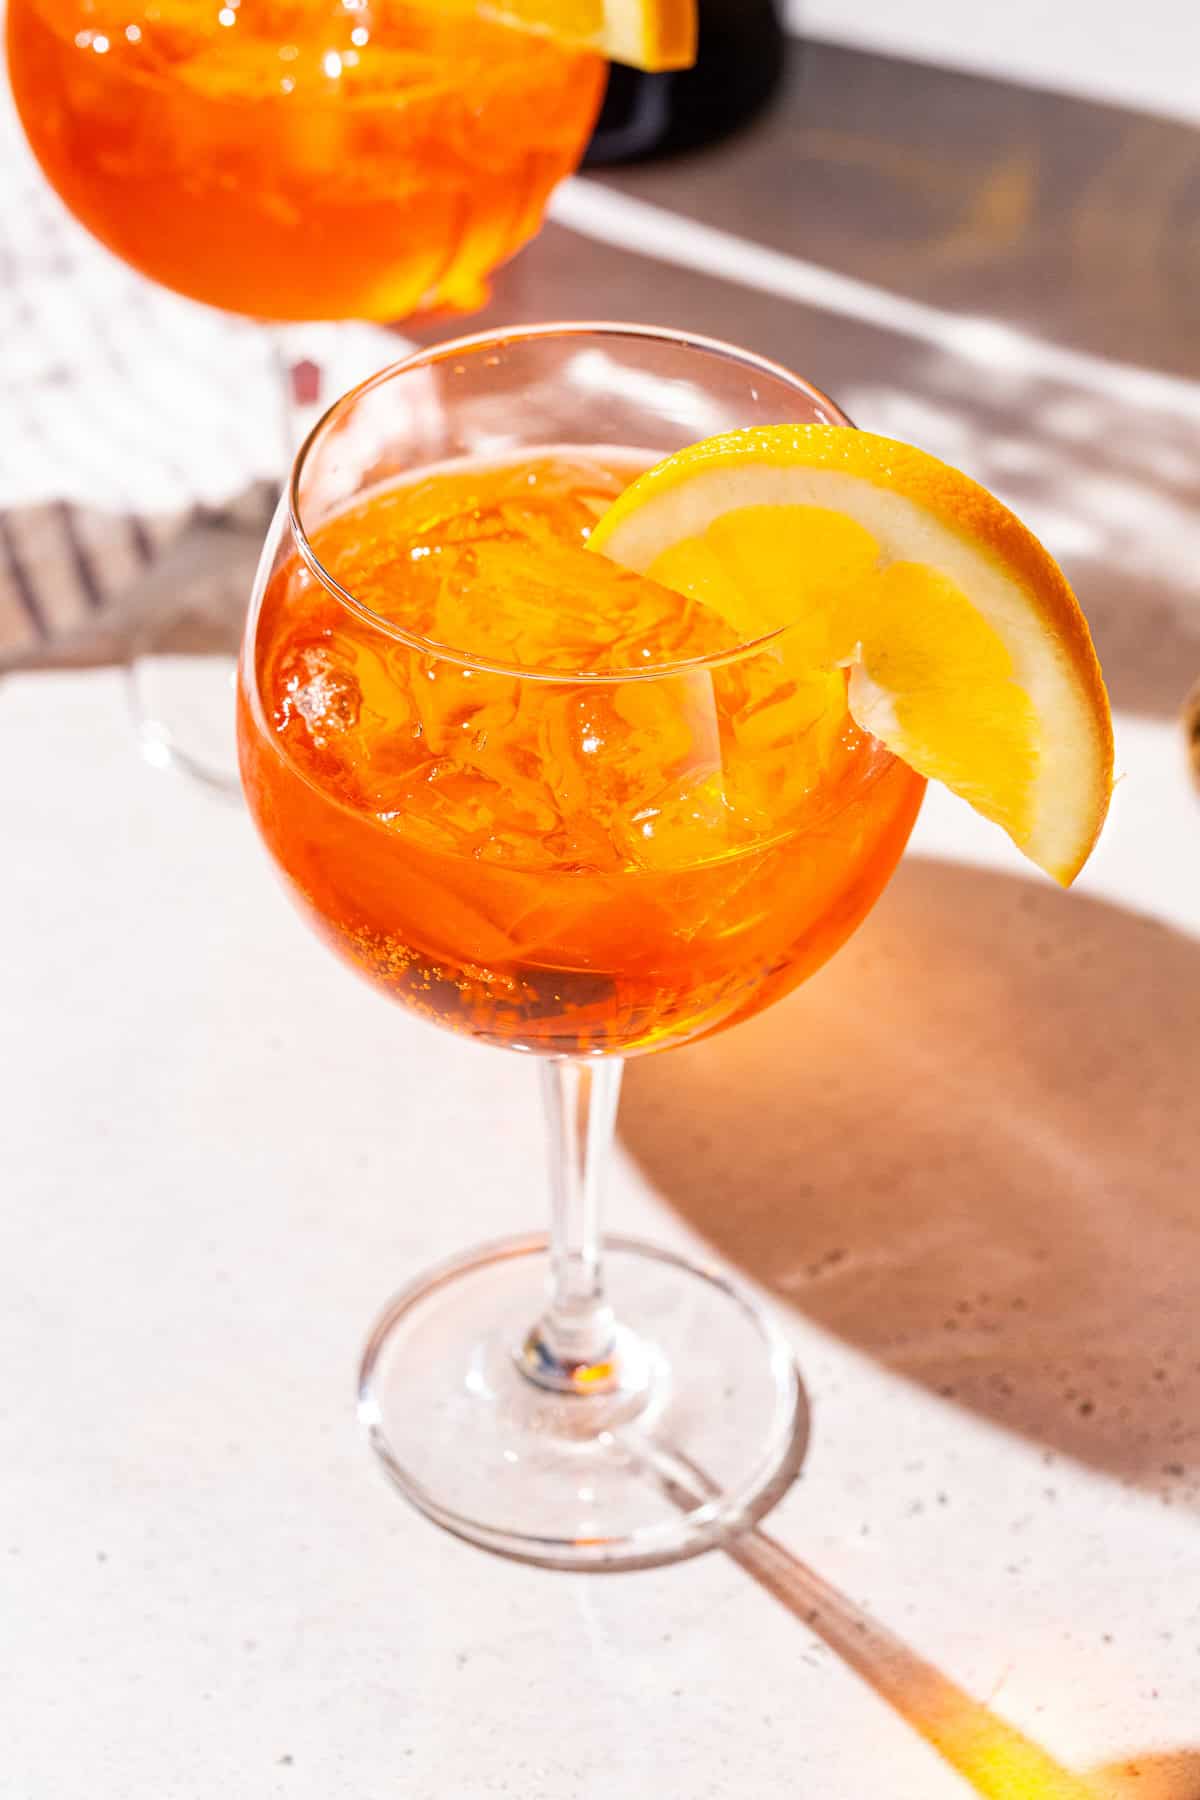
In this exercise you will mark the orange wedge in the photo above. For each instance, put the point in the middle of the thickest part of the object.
(649, 34)
(968, 655)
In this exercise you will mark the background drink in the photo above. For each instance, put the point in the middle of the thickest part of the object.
(566, 865)
(299, 161)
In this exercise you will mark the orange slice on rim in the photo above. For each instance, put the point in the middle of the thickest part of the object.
(967, 652)
(648, 34)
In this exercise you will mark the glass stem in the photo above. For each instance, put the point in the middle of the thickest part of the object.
(571, 1348)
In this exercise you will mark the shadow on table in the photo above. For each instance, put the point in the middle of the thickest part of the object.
(997, 1760)
(969, 1147)
(1071, 217)
(1046, 224)
(1108, 482)
(1166, 1775)
(1001, 275)
(79, 588)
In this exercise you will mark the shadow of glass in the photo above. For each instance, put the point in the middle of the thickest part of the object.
(969, 1148)
(998, 1761)
(108, 587)
(993, 1757)
(1173, 1775)
(975, 193)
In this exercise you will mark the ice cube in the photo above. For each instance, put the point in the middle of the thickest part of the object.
(461, 709)
(688, 822)
(320, 691)
(780, 737)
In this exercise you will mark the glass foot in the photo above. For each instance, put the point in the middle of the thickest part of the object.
(700, 1428)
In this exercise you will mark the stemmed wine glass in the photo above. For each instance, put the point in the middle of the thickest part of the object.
(555, 807)
(292, 160)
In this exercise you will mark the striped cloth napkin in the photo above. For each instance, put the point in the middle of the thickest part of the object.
(129, 413)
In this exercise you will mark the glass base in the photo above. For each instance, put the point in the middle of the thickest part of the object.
(702, 1430)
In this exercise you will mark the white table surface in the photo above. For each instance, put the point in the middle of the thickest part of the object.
(221, 1151)
(1138, 55)
(963, 1161)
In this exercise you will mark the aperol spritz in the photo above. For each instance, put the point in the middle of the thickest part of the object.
(563, 809)
(300, 159)
(290, 160)
(574, 841)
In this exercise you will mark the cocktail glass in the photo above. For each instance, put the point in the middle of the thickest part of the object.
(293, 160)
(558, 809)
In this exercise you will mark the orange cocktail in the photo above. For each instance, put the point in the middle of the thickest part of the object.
(559, 807)
(294, 159)
(551, 845)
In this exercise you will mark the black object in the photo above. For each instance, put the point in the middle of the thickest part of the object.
(738, 65)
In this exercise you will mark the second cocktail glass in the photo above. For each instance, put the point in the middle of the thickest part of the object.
(290, 161)
(560, 809)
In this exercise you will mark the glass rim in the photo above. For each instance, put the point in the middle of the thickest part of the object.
(447, 351)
